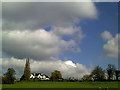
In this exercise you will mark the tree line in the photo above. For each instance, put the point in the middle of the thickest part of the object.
(97, 74)
(9, 76)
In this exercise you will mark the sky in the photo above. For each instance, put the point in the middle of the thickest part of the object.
(70, 37)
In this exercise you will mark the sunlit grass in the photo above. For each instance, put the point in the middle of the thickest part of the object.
(62, 85)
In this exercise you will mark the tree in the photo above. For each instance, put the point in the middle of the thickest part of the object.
(117, 73)
(9, 76)
(111, 71)
(0, 79)
(86, 78)
(56, 75)
(98, 73)
(26, 74)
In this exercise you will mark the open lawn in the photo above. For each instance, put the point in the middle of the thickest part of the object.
(62, 85)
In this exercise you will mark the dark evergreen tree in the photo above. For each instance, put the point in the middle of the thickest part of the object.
(27, 72)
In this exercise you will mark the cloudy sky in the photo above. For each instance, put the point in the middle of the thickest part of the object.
(70, 37)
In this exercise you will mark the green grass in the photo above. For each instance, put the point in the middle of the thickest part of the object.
(61, 85)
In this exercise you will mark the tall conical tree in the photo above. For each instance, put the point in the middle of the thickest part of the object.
(27, 69)
(26, 74)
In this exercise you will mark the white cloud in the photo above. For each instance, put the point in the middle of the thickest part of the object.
(111, 47)
(37, 15)
(39, 44)
(73, 31)
(22, 36)
(64, 31)
(67, 68)
(106, 35)
(70, 63)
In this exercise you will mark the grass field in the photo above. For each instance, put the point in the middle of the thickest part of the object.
(61, 85)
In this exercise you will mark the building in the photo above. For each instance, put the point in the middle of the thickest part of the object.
(39, 76)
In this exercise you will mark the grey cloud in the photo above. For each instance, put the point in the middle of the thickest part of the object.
(72, 31)
(35, 15)
(22, 36)
(39, 44)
